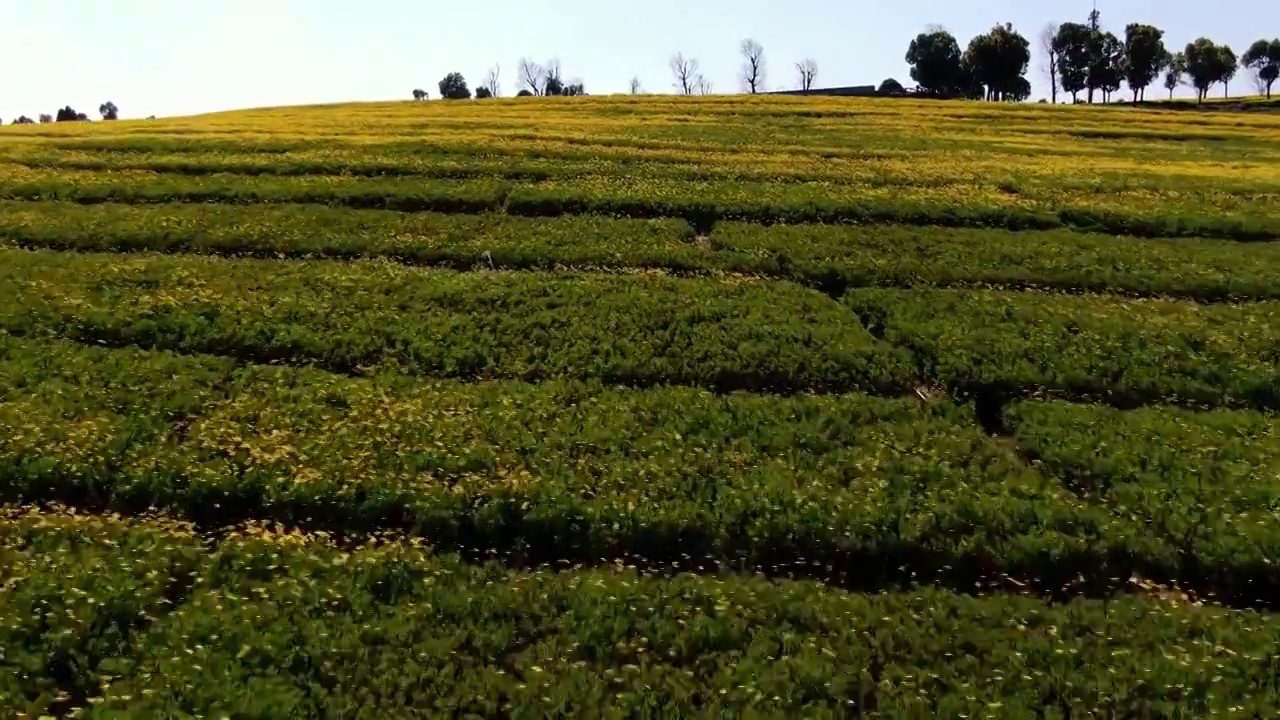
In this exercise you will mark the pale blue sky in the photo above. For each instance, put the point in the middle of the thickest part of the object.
(170, 57)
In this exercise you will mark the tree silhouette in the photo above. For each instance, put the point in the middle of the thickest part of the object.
(997, 60)
(807, 69)
(1144, 56)
(1263, 58)
(685, 71)
(109, 111)
(454, 87)
(753, 66)
(891, 87)
(935, 62)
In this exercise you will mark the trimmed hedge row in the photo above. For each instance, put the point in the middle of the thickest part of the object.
(998, 344)
(861, 491)
(828, 257)
(280, 625)
(842, 256)
(347, 317)
(701, 203)
(868, 490)
(1208, 484)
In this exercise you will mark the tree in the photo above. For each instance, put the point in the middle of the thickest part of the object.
(68, 114)
(109, 111)
(1105, 64)
(573, 89)
(634, 86)
(1109, 65)
(1144, 56)
(531, 76)
(891, 87)
(552, 78)
(525, 93)
(45, 118)
(997, 60)
(419, 95)
(1224, 67)
(24, 120)
(454, 87)
(935, 62)
(1263, 58)
(754, 69)
(807, 69)
(1202, 65)
(491, 83)
(1072, 46)
(1175, 66)
(702, 85)
(1050, 52)
(483, 93)
(686, 74)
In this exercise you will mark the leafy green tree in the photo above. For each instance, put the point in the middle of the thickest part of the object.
(1106, 68)
(1202, 65)
(525, 93)
(109, 111)
(997, 60)
(454, 87)
(419, 95)
(1072, 47)
(1144, 56)
(1175, 66)
(935, 62)
(1225, 68)
(483, 93)
(1263, 57)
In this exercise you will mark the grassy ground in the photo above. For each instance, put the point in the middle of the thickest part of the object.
(642, 407)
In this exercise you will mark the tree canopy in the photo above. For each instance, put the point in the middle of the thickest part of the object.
(935, 62)
(1263, 57)
(998, 60)
(1203, 65)
(1144, 56)
(454, 87)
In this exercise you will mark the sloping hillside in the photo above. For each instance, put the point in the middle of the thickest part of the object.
(642, 407)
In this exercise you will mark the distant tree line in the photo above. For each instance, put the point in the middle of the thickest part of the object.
(534, 79)
(108, 110)
(1081, 58)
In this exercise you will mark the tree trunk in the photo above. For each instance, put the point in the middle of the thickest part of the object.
(1226, 89)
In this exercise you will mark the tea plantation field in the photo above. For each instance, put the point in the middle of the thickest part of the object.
(642, 407)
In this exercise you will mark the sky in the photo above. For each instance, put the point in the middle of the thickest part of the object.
(181, 57)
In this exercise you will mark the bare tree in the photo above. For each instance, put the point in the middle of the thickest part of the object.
(635, 86)
(702, 86)
(531, 76)
(808, 71)
(1047, 47)
(753, 66)
(491, 81)
(685, 71)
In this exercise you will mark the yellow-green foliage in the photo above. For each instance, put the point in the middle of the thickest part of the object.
(999, 382)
